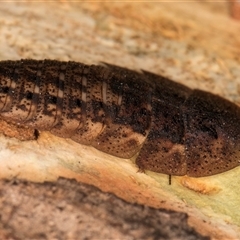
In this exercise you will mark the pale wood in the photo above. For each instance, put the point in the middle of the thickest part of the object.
(193, 43)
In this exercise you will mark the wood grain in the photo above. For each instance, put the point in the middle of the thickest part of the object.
(185, 42)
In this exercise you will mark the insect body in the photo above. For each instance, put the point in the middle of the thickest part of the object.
(170, 128)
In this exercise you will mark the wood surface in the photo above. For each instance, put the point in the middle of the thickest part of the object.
(194, 43)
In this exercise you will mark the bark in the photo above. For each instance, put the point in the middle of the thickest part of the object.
(67, 209)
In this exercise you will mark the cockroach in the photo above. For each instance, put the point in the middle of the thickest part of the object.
(168, 127)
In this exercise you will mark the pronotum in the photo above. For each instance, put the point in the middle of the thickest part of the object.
(169, 127)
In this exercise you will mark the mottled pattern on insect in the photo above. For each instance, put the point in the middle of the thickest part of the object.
(170, 128)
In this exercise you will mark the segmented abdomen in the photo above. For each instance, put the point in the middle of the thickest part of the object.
(173, 129)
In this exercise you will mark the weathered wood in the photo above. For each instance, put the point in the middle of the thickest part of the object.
(196, 44)
(67, 209)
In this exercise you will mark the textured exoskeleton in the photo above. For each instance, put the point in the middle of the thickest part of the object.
(169, 127)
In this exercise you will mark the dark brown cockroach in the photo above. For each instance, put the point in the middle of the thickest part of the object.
(170, 128)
